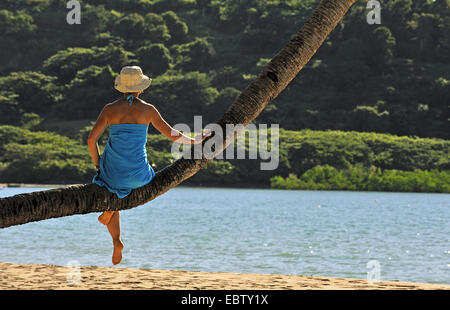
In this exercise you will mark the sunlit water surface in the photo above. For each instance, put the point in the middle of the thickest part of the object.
(322, 233)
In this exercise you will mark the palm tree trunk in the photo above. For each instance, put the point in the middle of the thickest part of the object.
(86, 198)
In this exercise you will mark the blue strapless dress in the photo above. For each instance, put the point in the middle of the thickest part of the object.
(123, 164)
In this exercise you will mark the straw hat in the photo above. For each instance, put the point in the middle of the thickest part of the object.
(131, 79)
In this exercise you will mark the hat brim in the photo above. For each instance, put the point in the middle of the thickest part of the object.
(144, 84)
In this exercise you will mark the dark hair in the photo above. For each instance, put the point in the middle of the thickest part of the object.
(132, 93)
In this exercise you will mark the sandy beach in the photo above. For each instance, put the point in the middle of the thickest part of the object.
(50, 277)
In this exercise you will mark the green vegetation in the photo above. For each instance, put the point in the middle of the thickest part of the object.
(366, 179)
(324, 160)
(39, 157)
(391, 82)
(387, 78)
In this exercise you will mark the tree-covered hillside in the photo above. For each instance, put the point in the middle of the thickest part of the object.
(388, 78)
(360, 161)
(390, 82)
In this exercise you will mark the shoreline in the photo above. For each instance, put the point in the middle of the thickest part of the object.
(44, 277)
(37, 185)
(5, 185)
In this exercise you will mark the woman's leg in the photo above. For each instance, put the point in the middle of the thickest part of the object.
(114, 231)
(105, 217)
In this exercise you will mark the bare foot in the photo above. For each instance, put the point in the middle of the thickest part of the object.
(105, 217)
(117, 253)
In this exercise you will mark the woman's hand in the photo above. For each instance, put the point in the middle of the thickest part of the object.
(205, 134)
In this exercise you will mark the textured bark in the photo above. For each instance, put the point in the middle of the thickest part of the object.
(87, 198)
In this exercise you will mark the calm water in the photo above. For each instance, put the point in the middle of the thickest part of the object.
(255, 231)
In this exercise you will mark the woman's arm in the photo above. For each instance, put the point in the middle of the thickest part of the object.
(96, 133)
(171, 133)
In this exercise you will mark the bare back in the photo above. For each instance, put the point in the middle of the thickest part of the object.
(119, 112)
(140, 112)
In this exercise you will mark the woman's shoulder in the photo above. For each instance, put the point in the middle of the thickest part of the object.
(117, 106)
(112, 104)
(116, 102)
(147, 105)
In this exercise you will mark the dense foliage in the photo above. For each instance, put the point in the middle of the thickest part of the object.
(366, 179)
(387, 78)
(323, 159)
(391, 78)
